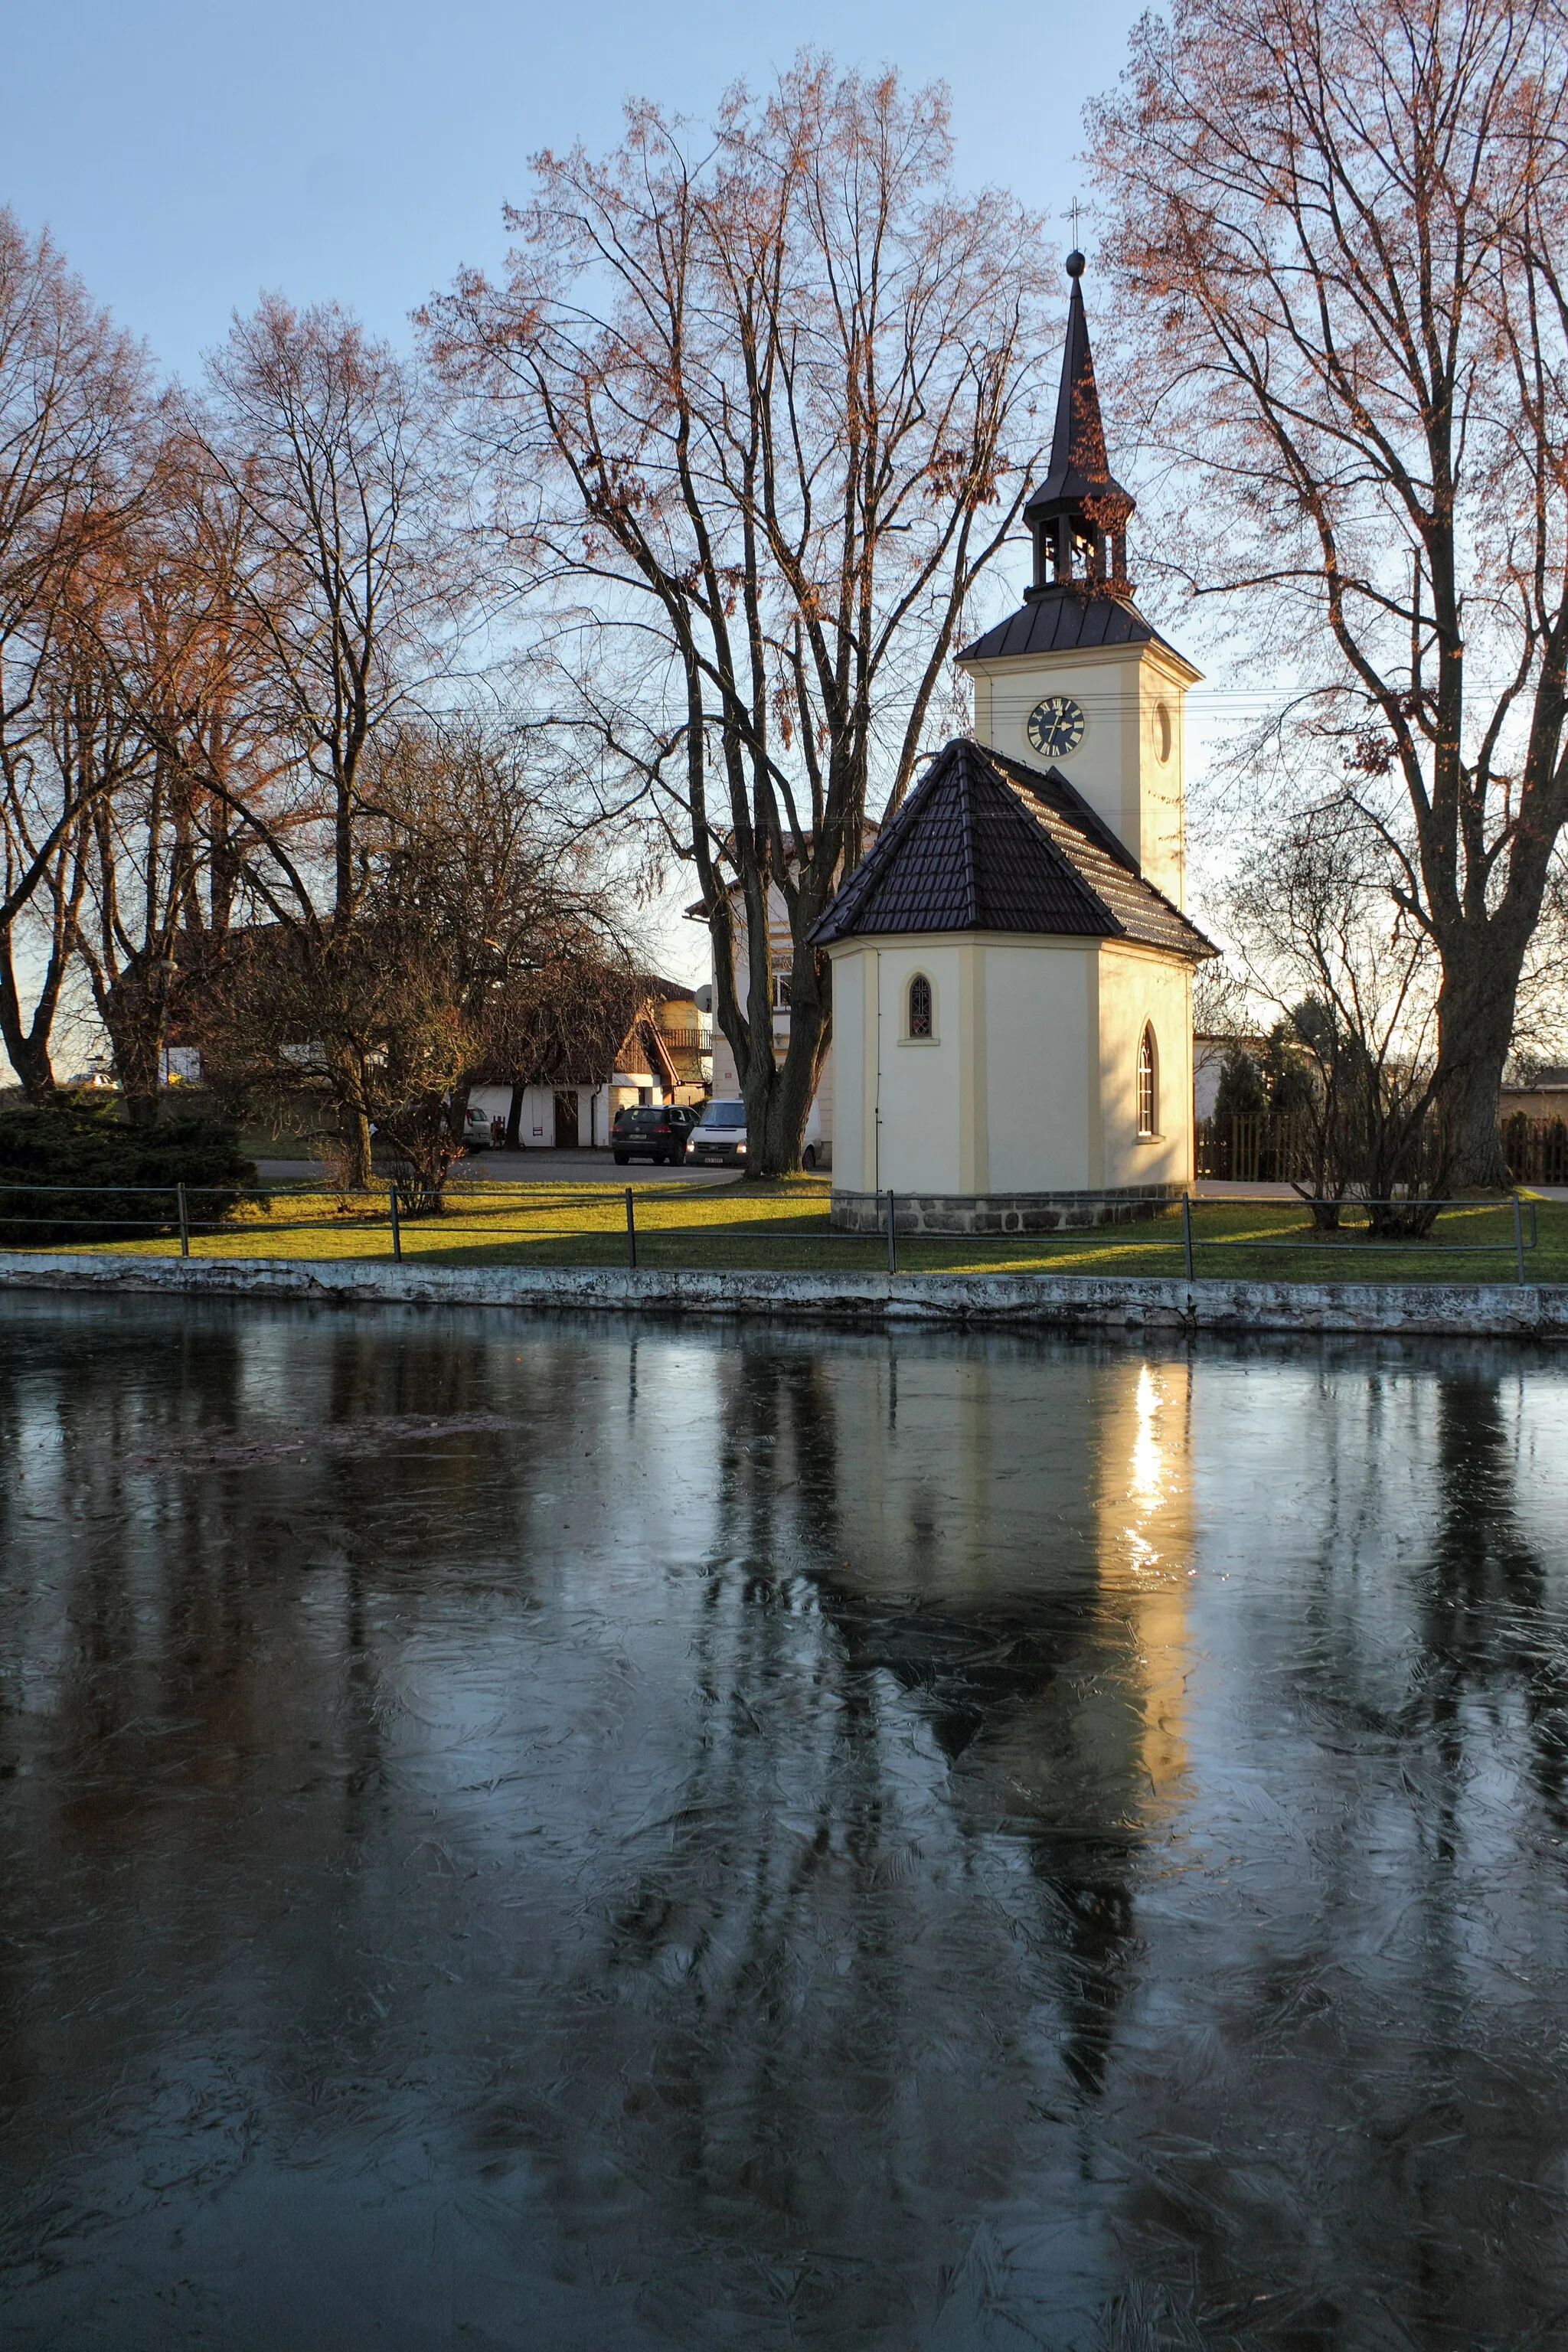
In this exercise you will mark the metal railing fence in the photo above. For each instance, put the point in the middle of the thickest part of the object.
(523, 1211)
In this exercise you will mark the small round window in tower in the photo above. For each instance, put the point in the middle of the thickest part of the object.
(920, 1006)
(1056, 726)
(1163, 731)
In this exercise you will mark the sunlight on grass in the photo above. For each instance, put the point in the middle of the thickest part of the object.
(784, 1227)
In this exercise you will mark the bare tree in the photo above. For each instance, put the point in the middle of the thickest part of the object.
(165, 683)
(482, 934)
(71, 402)
(1351, 976)
(1341, 224)
(757, 404)
(513, 902)
(330, 448)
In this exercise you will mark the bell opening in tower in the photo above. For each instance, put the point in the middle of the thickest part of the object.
(1080, 514)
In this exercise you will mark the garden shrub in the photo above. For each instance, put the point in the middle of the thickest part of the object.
(74, 1141)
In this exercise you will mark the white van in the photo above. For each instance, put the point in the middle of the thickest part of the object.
(719, 1140)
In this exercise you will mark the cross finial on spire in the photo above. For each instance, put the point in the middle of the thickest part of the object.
(1075, 259)
(1073, 211)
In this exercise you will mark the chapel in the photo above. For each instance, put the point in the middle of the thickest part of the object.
(1012, 963)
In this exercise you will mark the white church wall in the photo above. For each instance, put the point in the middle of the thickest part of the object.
(1129, 765)
(1043, 1067)
(920, 1139)
(1161, 847)
(1104, 682)
(849, 1053)
(897, 1108)
(1138, 988)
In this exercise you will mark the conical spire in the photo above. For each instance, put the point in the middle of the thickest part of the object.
(1079, 514)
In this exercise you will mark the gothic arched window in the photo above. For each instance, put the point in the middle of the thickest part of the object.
(920, 1006)
(1148, 1084)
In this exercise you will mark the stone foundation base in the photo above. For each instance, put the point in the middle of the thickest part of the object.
(997, 1212)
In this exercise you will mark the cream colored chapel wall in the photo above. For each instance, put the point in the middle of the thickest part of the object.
(1162, 849)
(897, 1113)
(1118, 767)
(848, 1064)
(1043, 1073)
(1138, 986)
(920, 1138)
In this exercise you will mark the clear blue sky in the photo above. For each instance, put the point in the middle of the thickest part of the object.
(189, 153)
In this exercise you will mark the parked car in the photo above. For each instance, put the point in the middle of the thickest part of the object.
(719, 1139)
(480, 1130)
(655, 1131)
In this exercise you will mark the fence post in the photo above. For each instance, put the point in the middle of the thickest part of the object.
(396, 1228)
(893, 1241)
(631, 1232)
(1517, 1240)
(1187, 1233)
(185, 1224)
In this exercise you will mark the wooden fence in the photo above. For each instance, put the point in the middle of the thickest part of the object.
(1536, 1149)
(1255, 1151)
(1279, 1151)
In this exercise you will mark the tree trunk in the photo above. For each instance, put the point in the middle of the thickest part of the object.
(136, 1043)
(354, 1128)
(27, 1049)
(33, 1068)
(775, 1121)
(354, 1124)
(1475, 1027)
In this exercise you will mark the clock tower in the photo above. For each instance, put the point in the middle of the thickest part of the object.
(1077, 679)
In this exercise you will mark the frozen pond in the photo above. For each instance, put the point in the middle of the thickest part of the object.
(526, 1834)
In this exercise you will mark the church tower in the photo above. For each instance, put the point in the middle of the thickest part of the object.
(1077, 678)
(1012, 965)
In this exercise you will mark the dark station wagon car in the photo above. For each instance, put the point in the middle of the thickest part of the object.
(655, 1131)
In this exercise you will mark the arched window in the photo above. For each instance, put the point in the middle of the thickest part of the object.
(1148, 1084)
(920, 1006)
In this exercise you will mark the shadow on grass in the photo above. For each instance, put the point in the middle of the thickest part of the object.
(785, 1228)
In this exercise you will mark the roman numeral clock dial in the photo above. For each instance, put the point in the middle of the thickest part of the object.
(1056, 727)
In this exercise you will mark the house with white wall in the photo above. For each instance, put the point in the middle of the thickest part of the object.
(568, 1097)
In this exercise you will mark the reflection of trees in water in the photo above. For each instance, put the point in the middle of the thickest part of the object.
(1349, 2118)
(892, 1930)
(853, 1919)
(188, 1627)
(1487, 1620)
(1444, 1454)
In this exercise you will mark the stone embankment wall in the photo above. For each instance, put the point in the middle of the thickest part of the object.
(1017, 1302)
(996, 1213)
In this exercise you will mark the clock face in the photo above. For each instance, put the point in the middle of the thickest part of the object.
(1056, 725)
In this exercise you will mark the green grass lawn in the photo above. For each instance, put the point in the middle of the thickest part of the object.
(782, 1227)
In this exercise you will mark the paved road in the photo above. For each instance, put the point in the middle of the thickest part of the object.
(598, 1168)
(530, 1168)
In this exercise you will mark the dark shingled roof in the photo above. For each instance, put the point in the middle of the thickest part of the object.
(1060, 620)
(985, 843)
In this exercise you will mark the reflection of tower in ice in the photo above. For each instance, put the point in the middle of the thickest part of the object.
(1007, 1533)
(1146, 1537)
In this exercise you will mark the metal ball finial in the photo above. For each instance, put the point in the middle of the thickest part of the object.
(1075, 263)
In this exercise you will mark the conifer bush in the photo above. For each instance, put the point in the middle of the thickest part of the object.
(77, 1141)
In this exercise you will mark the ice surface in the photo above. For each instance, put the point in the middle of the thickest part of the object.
(525, 1833)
